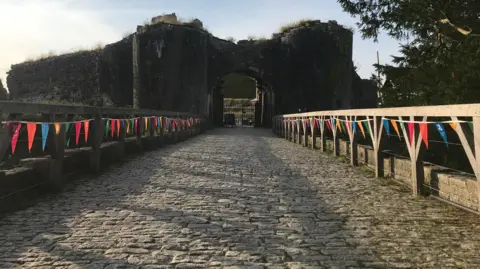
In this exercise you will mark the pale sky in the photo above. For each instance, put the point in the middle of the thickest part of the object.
(34, 27)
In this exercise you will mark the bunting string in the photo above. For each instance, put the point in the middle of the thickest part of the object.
(113, 127)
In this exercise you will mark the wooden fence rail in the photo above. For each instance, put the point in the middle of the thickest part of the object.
(300, 126)
(149, 123)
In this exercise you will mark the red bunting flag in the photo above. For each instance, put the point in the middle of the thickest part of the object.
(86, 126)
(411, 131)
(78, 127)
(329, 125)
(112, 128)
(118, 128)
(15, 136)
(136, 124)
(155, 122)
(424, 132)
(31, 128)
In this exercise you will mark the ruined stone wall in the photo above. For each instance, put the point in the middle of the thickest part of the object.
(71, 77)
(116, 72)
(173, 66)
(180, 66)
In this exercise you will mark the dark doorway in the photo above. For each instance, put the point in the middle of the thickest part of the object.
(241, 99)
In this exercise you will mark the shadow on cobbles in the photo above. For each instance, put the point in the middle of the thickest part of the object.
(229, 198)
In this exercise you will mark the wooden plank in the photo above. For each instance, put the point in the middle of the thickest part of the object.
(335, 139)
(476, 144)
(323, 139)
(465, 110)
(353, 143)
(466, 146)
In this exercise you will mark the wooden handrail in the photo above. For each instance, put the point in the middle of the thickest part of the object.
(37, 108)
(375, 118)
(466, 110)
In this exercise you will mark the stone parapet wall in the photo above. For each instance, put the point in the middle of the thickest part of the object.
(459, 188)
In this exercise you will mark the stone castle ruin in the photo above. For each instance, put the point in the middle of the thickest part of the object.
(170, 65)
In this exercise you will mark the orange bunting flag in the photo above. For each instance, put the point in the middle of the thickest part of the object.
(118, 128)
(78, 128)
(146, 124)
(424, 132)
(58, 126)
(360, 125)
(395, 126)
(31, 128)
(411, 131)
(15, 135)
(339, 126)
(86, 126)
(112, 127)
(128, 126)
(453, 125)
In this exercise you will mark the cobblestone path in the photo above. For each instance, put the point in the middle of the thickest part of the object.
(238, 198)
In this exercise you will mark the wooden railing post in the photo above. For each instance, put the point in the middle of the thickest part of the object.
(476, 144)
(56, 145)
(289, 130)
(305, 132)
(353, 141)
(140, 130)
(285, 129)
(313, 132)
(335, 138)
(121, 140)
(376, 136)
(97, 138)
(416, 151)
(323, 140)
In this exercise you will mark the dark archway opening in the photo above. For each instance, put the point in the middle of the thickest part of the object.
(242, 98)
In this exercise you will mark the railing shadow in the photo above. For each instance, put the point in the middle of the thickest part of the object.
(224, 199)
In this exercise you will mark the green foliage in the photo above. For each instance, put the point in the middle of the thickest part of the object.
(300, 23)
(3, 92)
(440, 63)
(231, 39)
(238, 86)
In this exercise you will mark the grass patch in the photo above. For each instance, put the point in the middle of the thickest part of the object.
(365, 170)
(297, 24)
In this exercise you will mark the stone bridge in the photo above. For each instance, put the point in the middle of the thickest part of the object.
(232, 198)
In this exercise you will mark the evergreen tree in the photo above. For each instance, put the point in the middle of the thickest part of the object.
(441, 64)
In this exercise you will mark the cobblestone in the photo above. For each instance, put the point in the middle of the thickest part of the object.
(238, 198)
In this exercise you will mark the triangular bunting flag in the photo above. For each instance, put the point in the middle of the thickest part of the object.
(360, 125)
(128, 127)
(441, 131)
(31, 128)
(146, 124)
(112, 127)
(45, 129)
(411, 131)
(107, 127)
(86, 126)
(453, 125)
(67, 129)
(424, 132)
(15, 135)
(78, 128)
(386, 126)
(354, 127)
(395, 126)
(367, 127)
(58, 126)
(118, 128)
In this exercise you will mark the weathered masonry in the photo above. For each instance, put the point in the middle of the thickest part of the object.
(413, 124)
(71, 150)
(176, 67)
